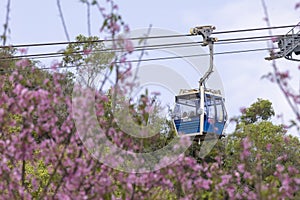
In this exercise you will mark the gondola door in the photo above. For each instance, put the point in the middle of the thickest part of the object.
(215, 115)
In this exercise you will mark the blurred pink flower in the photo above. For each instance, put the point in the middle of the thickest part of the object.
(206, 184)
(115, 27)
(225, 179)
(23, 50)
(87, 51)
(297, 181)
(115, 7)
(230, 190)
(123, 59)
(246, 144)
(101, 9)
(268, 147)
(155, 93)
(292, 170)
(23, 63)
(126, 28)
(247, 175)
(243, 110)
(241, 168)
(279, 168)
(128, 45)
(211, 121)
(274, 39)
(149, 109)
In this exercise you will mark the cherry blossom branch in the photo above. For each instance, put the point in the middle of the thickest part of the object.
(142, 52)
(281, 78)
(59, 163)
(23, 172)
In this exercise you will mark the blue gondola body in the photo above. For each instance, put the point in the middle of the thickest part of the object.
(188, 112)
(189, 126)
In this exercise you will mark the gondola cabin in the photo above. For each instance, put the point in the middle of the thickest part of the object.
(198, 112)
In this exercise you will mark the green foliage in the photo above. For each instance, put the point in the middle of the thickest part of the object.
(86, 50)
(6, 64)
(260, 110)
(217, 151)
(78, 52)
(270, 145)
(40, 175)
(89, 56)
(17, 121)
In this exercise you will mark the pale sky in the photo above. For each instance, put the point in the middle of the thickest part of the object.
(33, 21)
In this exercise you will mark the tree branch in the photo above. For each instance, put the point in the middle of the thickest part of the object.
(62, 19)
(4, 36)
(89, 18)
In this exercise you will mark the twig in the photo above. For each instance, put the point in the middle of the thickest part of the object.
(23, 173)
(141, 56)
(133, 192)
(62, 20)
(89, 18)
(4, 37)
(143, 52)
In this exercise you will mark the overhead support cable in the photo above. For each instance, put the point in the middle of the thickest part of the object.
(39, 56)
(254, 29)
(141, 38)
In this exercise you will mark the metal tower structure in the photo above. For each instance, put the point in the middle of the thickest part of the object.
(288, 44)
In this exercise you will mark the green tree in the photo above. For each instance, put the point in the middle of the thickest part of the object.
(269, 144)
(258, 111)
(89, 56)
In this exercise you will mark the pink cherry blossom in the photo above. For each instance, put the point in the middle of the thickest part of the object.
(241, 168)
(23, 50)
(268, 147)
(23, 63)
(87, 51)
(42, 133)
(128, 45)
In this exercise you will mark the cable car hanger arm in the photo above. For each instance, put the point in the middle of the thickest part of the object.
(205, 32)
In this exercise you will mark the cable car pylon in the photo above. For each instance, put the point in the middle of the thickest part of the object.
(201, 112)
(288, 44)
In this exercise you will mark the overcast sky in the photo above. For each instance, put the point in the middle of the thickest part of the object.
(33, 21)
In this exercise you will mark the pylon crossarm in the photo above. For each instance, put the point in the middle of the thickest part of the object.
(288, 44)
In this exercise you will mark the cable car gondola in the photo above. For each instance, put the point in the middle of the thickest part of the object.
(199, 112)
